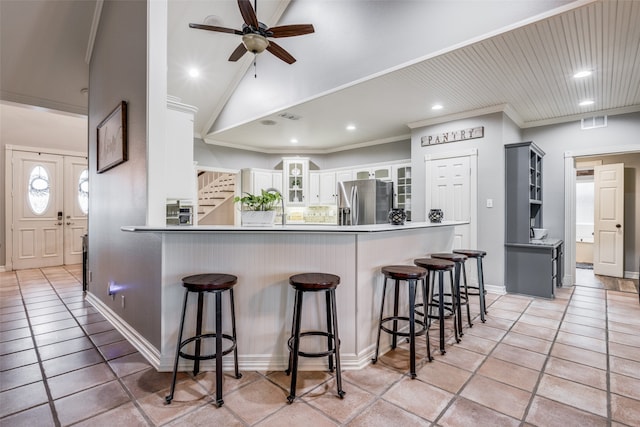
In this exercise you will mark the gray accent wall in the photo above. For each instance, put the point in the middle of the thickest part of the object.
(118, 197)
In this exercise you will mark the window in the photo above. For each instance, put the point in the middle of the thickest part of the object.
(83, 191)
(39, 190)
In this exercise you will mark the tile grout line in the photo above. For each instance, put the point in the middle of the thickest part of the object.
(45, 382)
(606, 332)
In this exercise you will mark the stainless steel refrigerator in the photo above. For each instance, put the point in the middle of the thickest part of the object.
(364, 201)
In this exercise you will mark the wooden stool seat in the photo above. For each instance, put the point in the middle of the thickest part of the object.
(434, 264)
(450, 256)
(209, 282)
(471, 253)
(314, 281)
(403, 272)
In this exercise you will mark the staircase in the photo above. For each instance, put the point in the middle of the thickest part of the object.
(214, 188)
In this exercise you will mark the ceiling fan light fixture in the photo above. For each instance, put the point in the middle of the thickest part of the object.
(255, 43)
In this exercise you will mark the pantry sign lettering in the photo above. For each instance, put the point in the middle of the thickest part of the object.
(453, 136)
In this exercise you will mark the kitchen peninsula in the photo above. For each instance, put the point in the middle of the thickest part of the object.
(263, 258)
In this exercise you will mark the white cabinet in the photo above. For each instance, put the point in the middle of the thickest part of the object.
(344, 175)
(295, 182)
(322, 188)
(379, 172)
(255, 180)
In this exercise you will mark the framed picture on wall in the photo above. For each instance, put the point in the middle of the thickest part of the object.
(112, 139)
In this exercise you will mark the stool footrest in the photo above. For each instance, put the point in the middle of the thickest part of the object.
(421, 331)
(207, 356)
(314, 354)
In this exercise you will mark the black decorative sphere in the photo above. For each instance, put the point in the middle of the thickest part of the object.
(397, 216)
(436, 215)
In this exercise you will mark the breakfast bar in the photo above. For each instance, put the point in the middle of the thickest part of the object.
(263, 258)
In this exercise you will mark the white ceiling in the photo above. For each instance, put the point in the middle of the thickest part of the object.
(525, 71)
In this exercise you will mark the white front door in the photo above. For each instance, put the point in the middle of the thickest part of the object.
(49, 203)
(76, 204)
(449, 189)
(37, 230)
(608, 233)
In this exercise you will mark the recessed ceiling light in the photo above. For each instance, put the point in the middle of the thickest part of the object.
(581, 74)
(294, 141)
(586, 102)
(351, 127)
(437, 107)
(194, 72)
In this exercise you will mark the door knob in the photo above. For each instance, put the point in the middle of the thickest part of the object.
(69, 223)
(618, 226)
(59, 222)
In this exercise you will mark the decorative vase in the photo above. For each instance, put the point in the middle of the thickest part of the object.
(397, 216)
(436, 215)
(258, 218)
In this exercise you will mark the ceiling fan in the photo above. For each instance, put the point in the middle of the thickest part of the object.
(255, 34)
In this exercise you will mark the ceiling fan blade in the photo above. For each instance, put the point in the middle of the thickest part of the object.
(214, 28)
(237, 54)
(278, 51)
(291, 30)
(248, 14)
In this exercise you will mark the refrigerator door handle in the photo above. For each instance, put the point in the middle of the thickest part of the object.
(355, 208)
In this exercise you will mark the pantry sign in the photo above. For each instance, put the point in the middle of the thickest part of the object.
(453, 136)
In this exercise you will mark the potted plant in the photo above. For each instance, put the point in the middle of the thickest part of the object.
(258, 209)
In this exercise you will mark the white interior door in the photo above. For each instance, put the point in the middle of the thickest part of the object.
(37, 230)
(450, 191)
(76, 205)
(608, 233)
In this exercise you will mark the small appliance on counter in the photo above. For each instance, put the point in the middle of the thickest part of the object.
(179, 212)
(364, 201)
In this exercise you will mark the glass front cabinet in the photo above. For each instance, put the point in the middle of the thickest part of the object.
(295, 173)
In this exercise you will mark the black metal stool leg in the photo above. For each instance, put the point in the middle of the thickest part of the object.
(384, 293)
(412, 327)
(296, 295)
(483, 303)
(233, 332)
(296, 347)
(334, 317)
(458, 299)
(454, 300)
(441, 309)
(169, 398)
(196, 362)
(219, 400)
(466, 294)
(394, 338)
(425, 290)
(329, 330)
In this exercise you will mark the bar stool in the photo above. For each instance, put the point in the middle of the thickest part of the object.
(477, 290)
(314, 282)
(434, 265)
(409, 274)
(207, 283)
(462, 299)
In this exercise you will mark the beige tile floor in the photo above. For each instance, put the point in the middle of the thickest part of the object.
(572, 361)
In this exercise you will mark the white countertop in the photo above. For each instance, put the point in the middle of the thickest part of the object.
(373, 228)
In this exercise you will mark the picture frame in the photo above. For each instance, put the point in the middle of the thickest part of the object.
(112, 139)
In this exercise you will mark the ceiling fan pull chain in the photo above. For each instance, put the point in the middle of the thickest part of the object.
(255, 67)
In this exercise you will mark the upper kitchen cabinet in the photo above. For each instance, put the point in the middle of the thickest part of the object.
(378, 172)
(402, 190)
(295, 174)
(322, 188)
(344, 175)
(523, 196)
(255, 180)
